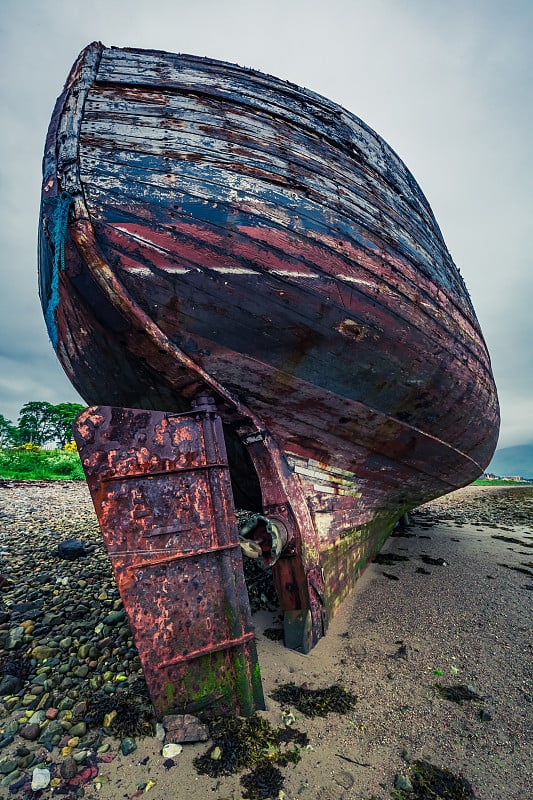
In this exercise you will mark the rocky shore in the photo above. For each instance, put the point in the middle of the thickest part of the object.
(427, 614)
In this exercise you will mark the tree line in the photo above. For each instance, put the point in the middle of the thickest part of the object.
(39, 423)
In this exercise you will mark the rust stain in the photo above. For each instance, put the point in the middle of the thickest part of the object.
(161, 489)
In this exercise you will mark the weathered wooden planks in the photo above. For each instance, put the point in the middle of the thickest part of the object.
(234, 233)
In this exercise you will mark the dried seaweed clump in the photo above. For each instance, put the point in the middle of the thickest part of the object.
(433, 783)
(263, 782)
(260, 585)
(18, 665)
(276, 634)
(459, 693)
(316, 702)
(239, 743)
(126, 713)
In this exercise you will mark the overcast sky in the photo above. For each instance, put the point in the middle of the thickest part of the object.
(447, 83)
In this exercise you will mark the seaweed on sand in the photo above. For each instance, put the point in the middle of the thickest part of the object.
(458, 693)
(435, 783)
(239, 742)
(263, 782)
(316, 702)
(129, 712)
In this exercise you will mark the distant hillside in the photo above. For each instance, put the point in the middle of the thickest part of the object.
(513, 461)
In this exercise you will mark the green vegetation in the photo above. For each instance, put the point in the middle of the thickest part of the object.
(29, 462)
(40, 422)
(496, 482)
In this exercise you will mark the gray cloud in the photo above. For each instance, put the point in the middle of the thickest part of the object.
(447, 84)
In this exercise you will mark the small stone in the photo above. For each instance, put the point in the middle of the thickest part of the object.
(30, 732)
(71, 549)
(7, 780)
(127, 746)
(83, 651)
(6, 740)
(44, 699)
(37, 716)
(40, 779)
(79, 709)
(345, 779)
(30, 700)
(50, 731)
(10, 684)
(485, 715)
(12, 727)
(68, 768)
(42, 651)
(171, 750)
(51, 713)
(79, 729)
(7, 765)
(108, 718)
(114, 617)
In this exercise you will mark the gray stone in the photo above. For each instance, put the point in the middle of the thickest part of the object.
(71, 549)
(30, 731)
(68, 768)
(49, 731)
(115, 617)
(10, 684)
(128, 746)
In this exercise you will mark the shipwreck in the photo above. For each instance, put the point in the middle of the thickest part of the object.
(251, 293)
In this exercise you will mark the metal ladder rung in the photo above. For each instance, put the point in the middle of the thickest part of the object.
(205, 651)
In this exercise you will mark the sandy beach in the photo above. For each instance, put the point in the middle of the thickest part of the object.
(451, 605)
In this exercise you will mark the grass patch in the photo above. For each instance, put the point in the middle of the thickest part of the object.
(19, 463)
(499, 482)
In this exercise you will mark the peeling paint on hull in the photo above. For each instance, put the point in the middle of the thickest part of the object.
(235, 234)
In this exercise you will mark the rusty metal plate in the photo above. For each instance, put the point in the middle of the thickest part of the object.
(161, 489)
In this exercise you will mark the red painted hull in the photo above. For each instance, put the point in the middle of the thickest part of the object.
(232, 233)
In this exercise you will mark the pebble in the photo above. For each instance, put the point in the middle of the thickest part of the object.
(171, 750)
(68, 768)
(63, 621)
(30, 731)
(127, 746)
(40, 779)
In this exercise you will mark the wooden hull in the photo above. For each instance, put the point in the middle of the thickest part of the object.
(208, 228)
